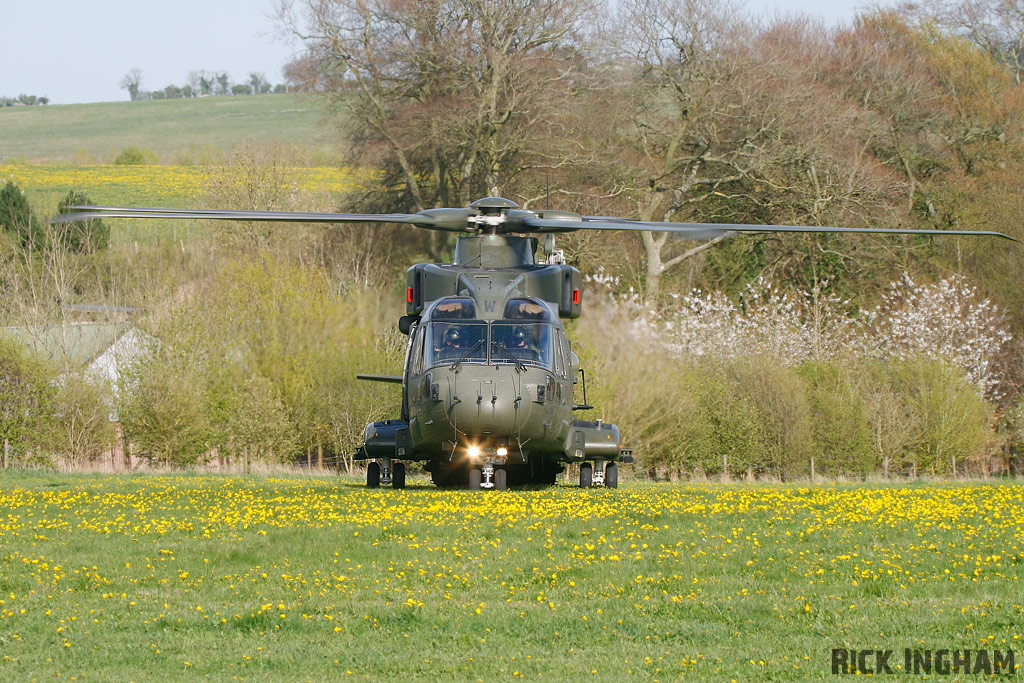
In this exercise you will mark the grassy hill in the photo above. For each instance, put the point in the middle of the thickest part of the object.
(179, 131)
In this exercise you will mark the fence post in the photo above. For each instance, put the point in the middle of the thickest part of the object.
(7, 453)
(812, 469)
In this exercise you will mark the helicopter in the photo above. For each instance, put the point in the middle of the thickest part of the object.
(489, 378)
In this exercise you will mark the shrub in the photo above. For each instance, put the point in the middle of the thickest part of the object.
(953, 421)
(17, 218)
(85, 431)
(258, 428)
(780, 378)
(733, 432)
(780, 400)
(136, 156)
(82, 237)
(243, 368)
(164, 412)
(841, 421)
(27, 399)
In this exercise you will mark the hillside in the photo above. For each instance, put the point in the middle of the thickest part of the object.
(177, 130)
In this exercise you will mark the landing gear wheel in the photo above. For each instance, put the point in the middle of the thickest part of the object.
(611, 476)
(398, 475)
(586, 475)
(445, 478)
(500, 479)
(475, 478)
(373, 475)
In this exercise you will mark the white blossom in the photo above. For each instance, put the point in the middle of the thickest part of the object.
(947, 321)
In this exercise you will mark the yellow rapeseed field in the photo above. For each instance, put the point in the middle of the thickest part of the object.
(147, 577)
(145, 185)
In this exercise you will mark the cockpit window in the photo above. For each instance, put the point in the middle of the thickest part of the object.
(526, 309)
(522, 342)
(454, 342)
(461, 308)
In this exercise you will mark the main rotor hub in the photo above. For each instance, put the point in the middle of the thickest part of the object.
(493, 206)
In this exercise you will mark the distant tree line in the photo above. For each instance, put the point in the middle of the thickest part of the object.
(26, 100)
(204, 83)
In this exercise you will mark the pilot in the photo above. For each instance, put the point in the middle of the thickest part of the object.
(523, 345)
(453, 341)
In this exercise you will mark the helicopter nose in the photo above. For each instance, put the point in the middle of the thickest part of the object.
(493, 404)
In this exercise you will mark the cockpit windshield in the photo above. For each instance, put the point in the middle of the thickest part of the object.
(519, 342)
(504, 342)
(454, 342)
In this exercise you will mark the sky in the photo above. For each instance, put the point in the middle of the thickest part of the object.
(73, 51)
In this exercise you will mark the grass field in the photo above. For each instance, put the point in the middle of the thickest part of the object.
(96, 133)
(187, 577)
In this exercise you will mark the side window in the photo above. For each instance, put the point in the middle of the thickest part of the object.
(559, 356)
(563, 344)
(417, 350)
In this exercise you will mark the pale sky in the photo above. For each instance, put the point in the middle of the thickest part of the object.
(74, 51)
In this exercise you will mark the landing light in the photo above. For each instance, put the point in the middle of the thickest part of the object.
(473, 452)
(502, 450)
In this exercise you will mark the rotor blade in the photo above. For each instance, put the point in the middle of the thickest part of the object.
(694, 231)
(706, 231)
(458, 220)
(454, 220)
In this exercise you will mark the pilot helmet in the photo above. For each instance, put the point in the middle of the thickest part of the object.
(520, 335)
(453, 336)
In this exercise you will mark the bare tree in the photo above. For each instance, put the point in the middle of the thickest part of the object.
(730, 122)
(132, 82)
(996, 26)
(452, 98)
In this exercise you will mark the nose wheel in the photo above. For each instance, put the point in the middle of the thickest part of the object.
(599, 474)
(385, 472)
(488, 477)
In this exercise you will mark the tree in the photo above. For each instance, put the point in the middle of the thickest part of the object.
(258, 82)
(223, 83)
(453, 99)
(164, 411)
(27, 399)
(132, 82)
(17, 218)
(996, 26)
(197, 83)
(85, 431)
(82, 237)
(725, 121)
(257, 426)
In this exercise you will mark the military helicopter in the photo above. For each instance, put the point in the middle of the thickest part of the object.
(488, 387)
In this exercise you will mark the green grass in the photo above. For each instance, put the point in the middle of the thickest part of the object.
(188, 128)
(183, 577)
